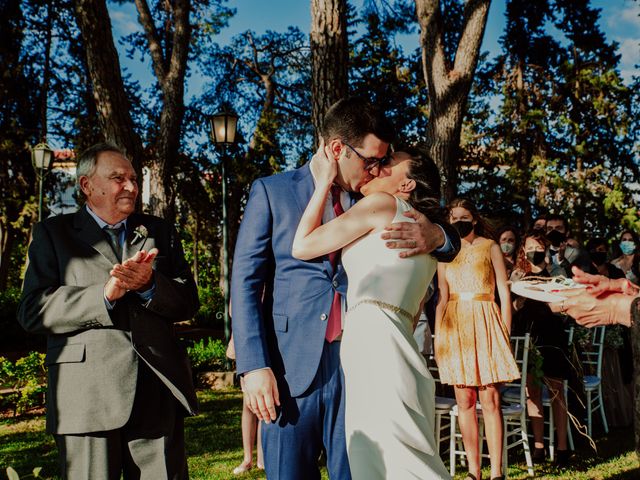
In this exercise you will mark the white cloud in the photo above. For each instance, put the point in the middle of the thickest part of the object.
(124, 22)
(629, 49)
(629, 15)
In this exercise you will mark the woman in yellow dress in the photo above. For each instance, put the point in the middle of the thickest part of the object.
(472, 333)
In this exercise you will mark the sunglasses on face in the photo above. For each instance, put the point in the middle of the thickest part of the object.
(372, 162)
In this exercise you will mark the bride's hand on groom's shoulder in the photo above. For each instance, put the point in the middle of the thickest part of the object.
(326, 164)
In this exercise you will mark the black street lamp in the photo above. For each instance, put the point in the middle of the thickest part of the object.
(41, 156)
(223, 133)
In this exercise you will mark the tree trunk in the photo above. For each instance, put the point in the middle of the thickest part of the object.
(329, 57)
(108, 87)
(448, 85)
(170, 68)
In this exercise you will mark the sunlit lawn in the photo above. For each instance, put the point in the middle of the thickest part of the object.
(215, 447)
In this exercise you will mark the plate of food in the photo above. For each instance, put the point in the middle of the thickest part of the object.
(545, 289)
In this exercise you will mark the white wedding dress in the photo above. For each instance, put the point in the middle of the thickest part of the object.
(390, 394)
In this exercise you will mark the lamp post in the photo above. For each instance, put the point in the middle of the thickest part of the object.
(41, 156)
(223, 133)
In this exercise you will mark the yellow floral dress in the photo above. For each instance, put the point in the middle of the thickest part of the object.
(471, 341)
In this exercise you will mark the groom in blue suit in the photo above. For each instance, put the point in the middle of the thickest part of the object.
(284, 308)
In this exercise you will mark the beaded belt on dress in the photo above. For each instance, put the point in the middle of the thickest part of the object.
(468, 296)
(383, 305)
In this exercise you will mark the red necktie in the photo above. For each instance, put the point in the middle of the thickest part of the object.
(334, 325)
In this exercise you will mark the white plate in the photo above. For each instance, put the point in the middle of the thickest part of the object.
(549, 292)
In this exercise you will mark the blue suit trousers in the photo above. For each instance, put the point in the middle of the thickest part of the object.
(309, 423)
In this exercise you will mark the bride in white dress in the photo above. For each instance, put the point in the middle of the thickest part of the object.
(389, 392)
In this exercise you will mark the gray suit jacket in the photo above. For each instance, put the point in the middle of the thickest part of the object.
(93, 353)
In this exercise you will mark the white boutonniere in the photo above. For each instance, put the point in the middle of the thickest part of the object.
(140, 233)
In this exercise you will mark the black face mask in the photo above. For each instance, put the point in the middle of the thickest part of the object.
(535, 257)
(538, 230)
(464, 227)
(599, 258)
(555, 237)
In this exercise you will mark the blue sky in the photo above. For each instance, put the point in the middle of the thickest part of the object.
(619, 20)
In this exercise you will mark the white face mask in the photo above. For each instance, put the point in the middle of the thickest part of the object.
(507, 248)
(571, 254)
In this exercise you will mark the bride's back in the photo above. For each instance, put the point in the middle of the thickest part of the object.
(377, 273)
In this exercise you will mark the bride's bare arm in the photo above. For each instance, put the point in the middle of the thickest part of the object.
(313, 239)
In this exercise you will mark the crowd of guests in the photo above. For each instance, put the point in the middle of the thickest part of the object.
(472, 326)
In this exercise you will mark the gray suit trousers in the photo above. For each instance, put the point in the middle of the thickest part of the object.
(150, 446)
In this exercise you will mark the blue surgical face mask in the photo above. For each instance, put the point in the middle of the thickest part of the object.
(628, 247)
(507, 248)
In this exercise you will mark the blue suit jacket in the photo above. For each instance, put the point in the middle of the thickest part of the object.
(284, 327)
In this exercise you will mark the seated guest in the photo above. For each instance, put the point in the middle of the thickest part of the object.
(550, 341)
(597, 248)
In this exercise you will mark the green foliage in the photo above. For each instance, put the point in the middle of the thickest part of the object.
(208, 354)
(535, 366)
(207, 275)
(550, 123)
(211, 310)
(26, 376)
(613, 336)
(13, 335)
(382, 72)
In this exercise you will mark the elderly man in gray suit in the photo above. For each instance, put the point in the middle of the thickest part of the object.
(106, 285)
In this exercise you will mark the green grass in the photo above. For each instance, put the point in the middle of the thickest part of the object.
(214, 446)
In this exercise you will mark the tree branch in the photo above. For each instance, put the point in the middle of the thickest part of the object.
(157, 58)
(475, 20)
(181, 35)
(431, 38)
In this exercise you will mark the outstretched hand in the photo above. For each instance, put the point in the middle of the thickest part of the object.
(423, 236)
(591, 311)
(599, 284)
(605, 301)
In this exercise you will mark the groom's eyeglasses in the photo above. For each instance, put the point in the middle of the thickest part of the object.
(372, 162)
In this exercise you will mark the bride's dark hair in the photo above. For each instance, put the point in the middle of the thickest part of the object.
(425, 197)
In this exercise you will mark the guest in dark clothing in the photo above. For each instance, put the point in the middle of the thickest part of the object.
(550, 340)
(617, 360)
(597, 248)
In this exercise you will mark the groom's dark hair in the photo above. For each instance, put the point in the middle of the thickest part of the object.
(353, 118)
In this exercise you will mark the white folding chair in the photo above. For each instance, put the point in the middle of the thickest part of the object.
(591, 357)
(514, 415)
(510, 394)
(443, 404)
